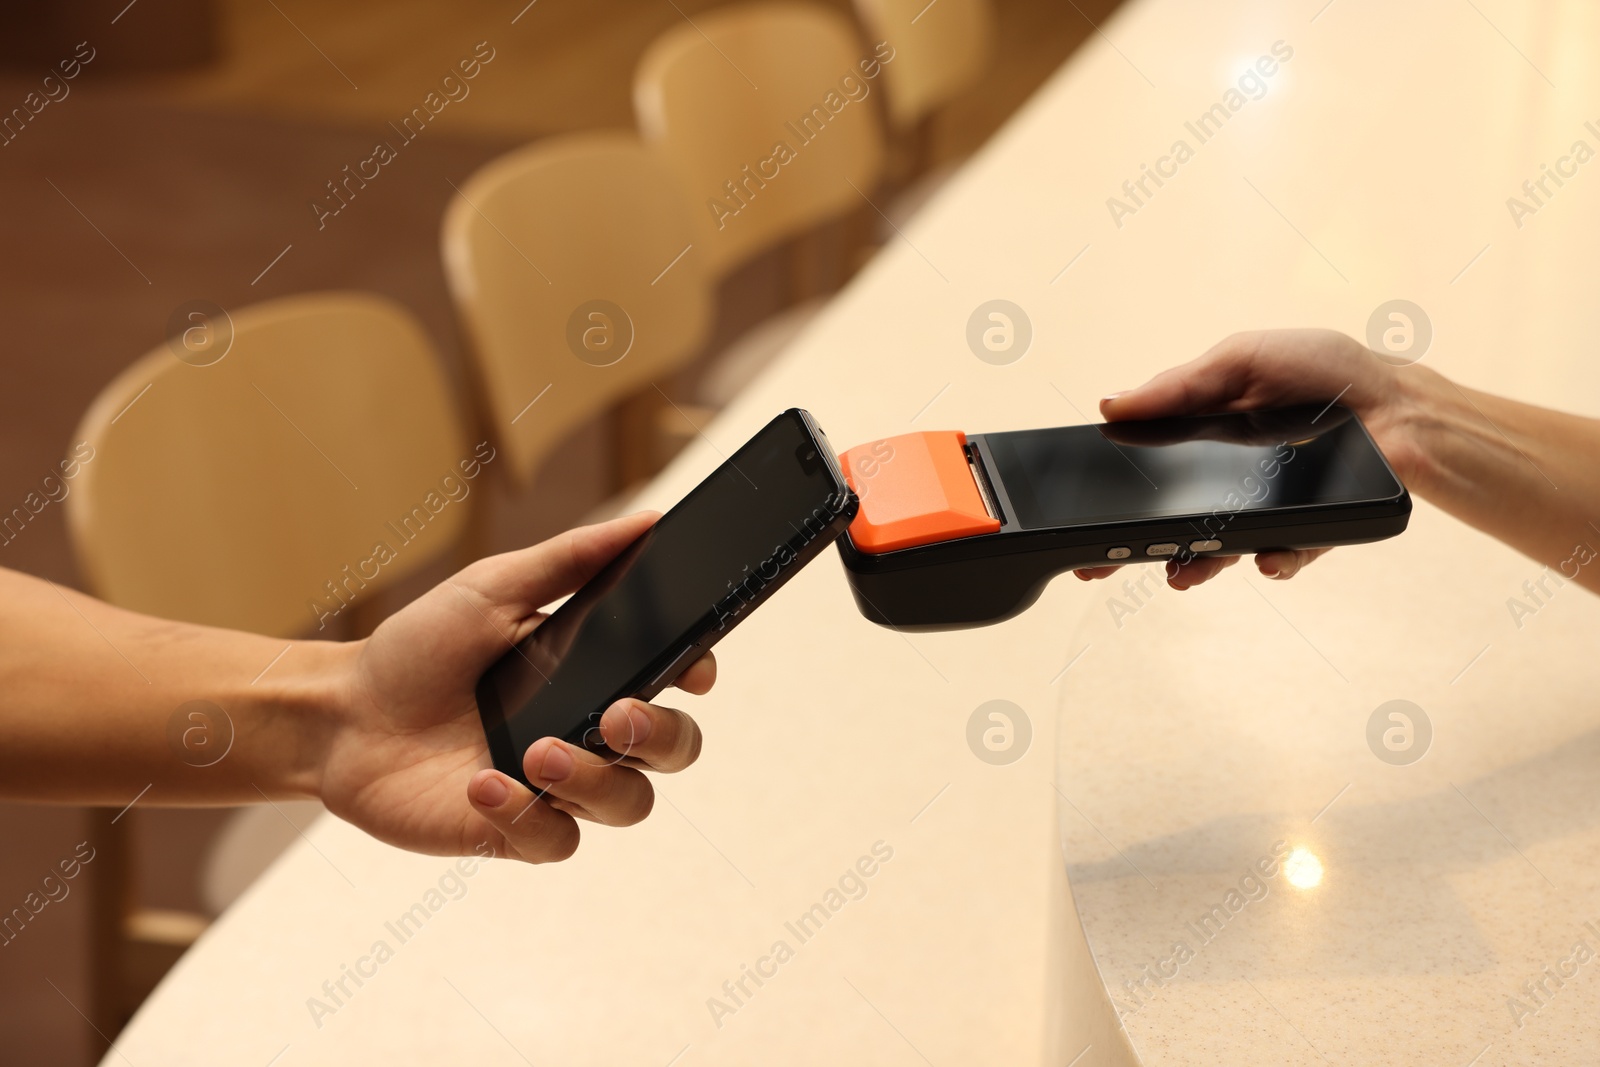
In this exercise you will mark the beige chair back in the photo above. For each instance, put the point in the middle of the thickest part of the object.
(571, 266)
(255, 491)
(940, 51)
(762, 109)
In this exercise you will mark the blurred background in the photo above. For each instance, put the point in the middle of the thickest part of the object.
(259, 252)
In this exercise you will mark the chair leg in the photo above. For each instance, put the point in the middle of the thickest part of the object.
(130, 949)
(922, 148)
(805, 255)
(633, 431)
(111, 899)
(154, 940)
(820, 260)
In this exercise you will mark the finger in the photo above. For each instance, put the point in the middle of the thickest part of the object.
(529, 829)
(1286, 564)
(605, 790)
(1261, 369)
(662, 739)
(699, 676)
(1191, 573)
(1089, 574)
(1208, 383)
(530, 578)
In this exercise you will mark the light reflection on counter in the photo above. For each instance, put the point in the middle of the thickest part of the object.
(1302, 868)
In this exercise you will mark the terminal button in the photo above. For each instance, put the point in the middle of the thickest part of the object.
(1165, 548)
(1204, 546)
(1118, 553)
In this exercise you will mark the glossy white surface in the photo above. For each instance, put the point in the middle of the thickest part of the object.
(1208, 726)
(1199, 729)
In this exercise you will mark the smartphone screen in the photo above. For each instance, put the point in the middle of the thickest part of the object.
(772, 506)
(1171, 468)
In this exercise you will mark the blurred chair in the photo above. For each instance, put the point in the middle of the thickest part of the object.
(940, 51)
(720, 96)
(765, 113)
(579, 280)
(243, 476)
(250, 493)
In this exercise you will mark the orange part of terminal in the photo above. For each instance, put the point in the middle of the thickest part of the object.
(915, 489)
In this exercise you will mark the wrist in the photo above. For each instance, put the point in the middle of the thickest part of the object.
(297, 709)
(1414, 424)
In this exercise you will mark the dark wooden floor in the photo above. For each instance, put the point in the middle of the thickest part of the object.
(136, 193)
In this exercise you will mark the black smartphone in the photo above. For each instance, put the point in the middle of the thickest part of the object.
(738, 536)
(1057, 499)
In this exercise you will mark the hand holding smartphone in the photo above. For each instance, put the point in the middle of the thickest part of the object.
(723, 550)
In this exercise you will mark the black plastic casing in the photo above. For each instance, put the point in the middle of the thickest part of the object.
(988, 578)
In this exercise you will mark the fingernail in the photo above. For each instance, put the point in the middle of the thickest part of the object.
(492, 791)
(1269, 571)
(557, 764)
(1111, 396)
(640, 723)
(624, 726)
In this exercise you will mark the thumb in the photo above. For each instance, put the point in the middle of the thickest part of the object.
(521, 582)
(1207, 384)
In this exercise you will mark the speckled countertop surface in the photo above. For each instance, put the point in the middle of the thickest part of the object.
(1258, 886)
(1440, 899)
